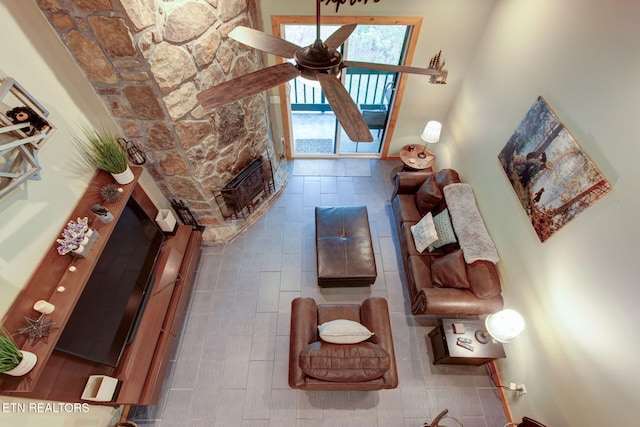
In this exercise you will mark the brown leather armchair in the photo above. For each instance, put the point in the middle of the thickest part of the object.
(306, 315)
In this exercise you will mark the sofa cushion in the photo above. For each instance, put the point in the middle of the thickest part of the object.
(445, 177)
(428, 195)
(343, 331)
(446, 235)
(424, 232)
(420, 270)
(449, 271)
(404, 207)
(483, 279)
(344, 362)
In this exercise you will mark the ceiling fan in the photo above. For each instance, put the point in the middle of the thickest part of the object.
(320, 61)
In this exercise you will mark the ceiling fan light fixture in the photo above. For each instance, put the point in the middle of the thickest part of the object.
(431, 132)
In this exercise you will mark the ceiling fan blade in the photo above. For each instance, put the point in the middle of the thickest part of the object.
(345, 109)
(339, 36)
(247, 85)
(264, 42)
(393, 68)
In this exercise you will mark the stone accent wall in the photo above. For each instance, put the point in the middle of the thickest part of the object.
(147, 59)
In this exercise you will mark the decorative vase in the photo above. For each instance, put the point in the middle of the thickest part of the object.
(26, 364)
(124, 177)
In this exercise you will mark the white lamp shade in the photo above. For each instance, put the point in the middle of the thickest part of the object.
(431, 133)
(504, 325)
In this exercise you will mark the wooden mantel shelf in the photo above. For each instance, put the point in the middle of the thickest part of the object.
(58, 376)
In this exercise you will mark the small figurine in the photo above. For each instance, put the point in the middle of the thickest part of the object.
(102, 213)
(27, 115)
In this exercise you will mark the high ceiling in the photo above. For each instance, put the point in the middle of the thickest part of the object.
(455, 26)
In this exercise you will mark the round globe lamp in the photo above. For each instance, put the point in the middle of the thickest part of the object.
(505, 325)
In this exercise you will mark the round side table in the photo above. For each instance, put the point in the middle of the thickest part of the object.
(417, 157)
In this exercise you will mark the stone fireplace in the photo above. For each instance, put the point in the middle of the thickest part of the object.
(147, 59)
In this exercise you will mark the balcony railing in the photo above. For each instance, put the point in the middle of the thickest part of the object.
(370, 89)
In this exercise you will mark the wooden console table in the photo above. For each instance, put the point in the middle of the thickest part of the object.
(61, 377)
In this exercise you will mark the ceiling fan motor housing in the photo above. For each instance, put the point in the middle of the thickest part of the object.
(318, 58)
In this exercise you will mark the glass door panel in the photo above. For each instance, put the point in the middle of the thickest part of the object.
(313, 123)
(316, 132)
(373, 90)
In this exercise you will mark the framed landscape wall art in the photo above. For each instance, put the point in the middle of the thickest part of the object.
(552, 176)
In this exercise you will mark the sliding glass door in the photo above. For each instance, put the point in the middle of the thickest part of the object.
(315, 130)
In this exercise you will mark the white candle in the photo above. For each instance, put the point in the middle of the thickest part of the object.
(43, 307)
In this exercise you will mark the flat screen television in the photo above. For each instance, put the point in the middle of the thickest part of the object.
(109, 309)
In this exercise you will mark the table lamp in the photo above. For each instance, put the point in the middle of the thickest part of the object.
(430, 134)
(504, 326)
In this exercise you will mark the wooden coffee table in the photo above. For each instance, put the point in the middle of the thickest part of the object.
(417, 157)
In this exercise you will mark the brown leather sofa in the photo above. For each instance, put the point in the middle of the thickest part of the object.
(415, 194)
(306, 315)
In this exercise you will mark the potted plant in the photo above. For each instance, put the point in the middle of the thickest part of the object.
(14, 361)
(100, 149)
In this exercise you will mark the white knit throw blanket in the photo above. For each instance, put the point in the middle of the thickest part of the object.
(475, 242)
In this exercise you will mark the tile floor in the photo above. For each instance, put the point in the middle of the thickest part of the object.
(322, 126)
(230, 367)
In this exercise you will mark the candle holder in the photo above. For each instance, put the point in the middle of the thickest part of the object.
(136, 155)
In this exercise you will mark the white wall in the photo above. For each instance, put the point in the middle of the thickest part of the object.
(454, 26)
(32, 216)
(579, 290)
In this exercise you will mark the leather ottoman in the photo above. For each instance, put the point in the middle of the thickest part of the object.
(344, 253)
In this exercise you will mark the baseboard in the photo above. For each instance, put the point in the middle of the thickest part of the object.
(503, 397)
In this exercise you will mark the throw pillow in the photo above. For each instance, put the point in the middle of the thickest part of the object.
(449, 271)
(342, 331)
(344, 363)
(444, 229)
(483, 279)
(424, 232)
(428, 195)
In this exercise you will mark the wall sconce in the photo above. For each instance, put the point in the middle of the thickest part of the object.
(431, 132)
(136, 155)
(503, 326)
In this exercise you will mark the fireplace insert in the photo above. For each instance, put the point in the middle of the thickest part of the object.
(244, 193)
